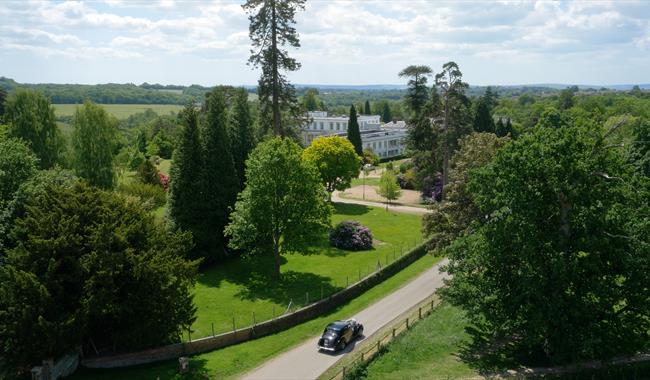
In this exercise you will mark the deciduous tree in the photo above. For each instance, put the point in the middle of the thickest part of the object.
(336, 160)
(93, 140)
(17, 164)
(283, 205)
(388, 187)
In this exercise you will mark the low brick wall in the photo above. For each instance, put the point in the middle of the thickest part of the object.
(261, 329)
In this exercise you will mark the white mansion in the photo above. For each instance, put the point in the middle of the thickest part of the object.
(386, 141)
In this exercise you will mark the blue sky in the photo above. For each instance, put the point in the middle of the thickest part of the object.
(343, 42)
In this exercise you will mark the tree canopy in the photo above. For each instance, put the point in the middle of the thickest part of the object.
(417, 93)
(336, 160)
(283, 205)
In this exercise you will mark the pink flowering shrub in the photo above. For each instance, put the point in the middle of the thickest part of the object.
(351, 235)
(164, 180)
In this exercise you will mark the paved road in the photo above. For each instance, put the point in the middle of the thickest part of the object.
(306, 362)
(396, 208)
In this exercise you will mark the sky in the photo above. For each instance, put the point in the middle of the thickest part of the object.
(342, 42)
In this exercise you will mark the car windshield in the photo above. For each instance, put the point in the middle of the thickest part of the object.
(331, 331)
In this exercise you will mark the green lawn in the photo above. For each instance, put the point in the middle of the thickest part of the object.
(368, 181)
(120, 111)
(235, 360)
(428, 350)
(241, 287)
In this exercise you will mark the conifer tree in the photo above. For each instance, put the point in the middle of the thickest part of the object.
(185, 191)
(483, 121)
(354, 135)
(241, 134)
(500, 128)
(366, 108)
(386, 115)
(220, 178)
(417, 95)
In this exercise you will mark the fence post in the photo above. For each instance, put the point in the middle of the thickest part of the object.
(343, 372)
(359, 274)
(362, 359)
(189, 334)
(347, 281)
(420, 312)
(393, 332)
(254, 319)
(431, 305)
(407, 323)
(306, 298)
(273, 312)
(233, 324)
(212, 329)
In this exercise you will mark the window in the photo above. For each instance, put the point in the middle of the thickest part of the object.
(321, 125)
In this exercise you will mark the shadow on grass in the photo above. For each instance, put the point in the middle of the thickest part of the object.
(488, 355)
(165, 370)
(351, 209)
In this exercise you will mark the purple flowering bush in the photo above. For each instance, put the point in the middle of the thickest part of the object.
(351, 235)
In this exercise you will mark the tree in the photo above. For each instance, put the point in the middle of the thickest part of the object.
(283, 205)
(141, 140)
(639, 152)
(417, 94)
(370, 157)
(386, 115)
(483, 121)
(457, 212)
(241, 134)
(93, 139)
(366, 108)
(271, 28)
(559, 266)
(388, 186)
(552, 118)
(220, 182)
(336, 161)
(91, 269)
(310, 100)
(565, 100)
(186, 196)
(17, 164)
(452, 89)
(148, 173)
(354, 135)
(3, 97)
(31, 117)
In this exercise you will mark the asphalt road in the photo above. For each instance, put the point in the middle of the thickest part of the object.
(306, 362)
(393, 207)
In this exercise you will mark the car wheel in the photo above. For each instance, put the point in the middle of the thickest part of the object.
(342, 345)
(360, 333)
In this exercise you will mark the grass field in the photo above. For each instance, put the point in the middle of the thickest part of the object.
(239, 288)
(232, 361)
(120, 111)
(368, 181)
(428, 350)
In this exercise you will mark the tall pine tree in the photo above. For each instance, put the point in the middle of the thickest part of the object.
(185, 191)
(483, 121)
(220, 178)
(366, 108)
(241, 133)
(386, 115)
(354, 135)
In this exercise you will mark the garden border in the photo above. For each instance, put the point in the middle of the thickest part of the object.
(261, 329)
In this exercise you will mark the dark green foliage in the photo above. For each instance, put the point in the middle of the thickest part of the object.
(17, 164)
(417, 95)
(220, 182)
(240, 132)
(366, 108)
(559, 266)
(310, 101)
(639, 153)
(151, 196)
(93, 139)
(3, 97)
(186, 208)
(483, 121)
(566, 99)
(148, 173)
(271, 29)
(386, 114)
(31, 118)
(354, 135)
(283, 206)
(90, 269)
(141, 141)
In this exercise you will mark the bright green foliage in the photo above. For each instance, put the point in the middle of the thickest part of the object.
(457, 212)
(640, 147)
(160, 145)
(186, 188)
(242, 139)
(151, 196)
(366, 108)
(17, 164)
(284, 204)
(89, 266)
(148, 173)
(483, 121)
(93, 139)
(271, 29)
(559, 268)
(141, 140)
(388, 186)
(552, 118)
(220, 182)
(416, 96)
(386, 115)
(336, 160)
(566, 99)
(31, 118)
(354, 135)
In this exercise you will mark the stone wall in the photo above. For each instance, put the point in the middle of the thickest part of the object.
(261, 329)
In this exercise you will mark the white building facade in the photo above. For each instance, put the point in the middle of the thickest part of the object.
(385, 142)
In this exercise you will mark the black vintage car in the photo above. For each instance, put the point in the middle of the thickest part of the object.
(339, 334)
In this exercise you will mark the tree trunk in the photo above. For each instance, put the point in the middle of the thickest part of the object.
(445, 149)
(274, 48)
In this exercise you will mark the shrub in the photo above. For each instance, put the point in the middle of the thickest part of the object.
(148, 173)
(152, 196)
(351, 235)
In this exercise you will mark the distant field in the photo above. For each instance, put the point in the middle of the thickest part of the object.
(121, 111)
